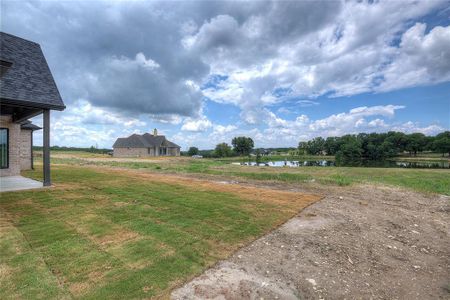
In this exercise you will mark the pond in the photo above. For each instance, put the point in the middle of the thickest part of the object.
(330, 163)
(290, 163)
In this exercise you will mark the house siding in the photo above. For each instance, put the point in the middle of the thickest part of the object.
(14, 147)
(25, 149)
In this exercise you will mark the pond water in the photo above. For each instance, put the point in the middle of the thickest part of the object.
(290, 163)
(331, 163)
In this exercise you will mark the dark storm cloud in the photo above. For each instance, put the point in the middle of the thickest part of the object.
(266, 27)
(142, 57)
(80, 40)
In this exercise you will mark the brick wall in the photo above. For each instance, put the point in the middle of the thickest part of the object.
(132, 152)
(14, 146)
(173, 151)
(25, 149)
(143, 152)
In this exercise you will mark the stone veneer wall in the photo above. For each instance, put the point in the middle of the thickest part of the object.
(14, 146)
(25, 149)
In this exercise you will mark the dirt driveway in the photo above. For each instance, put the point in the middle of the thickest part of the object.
(361, 242)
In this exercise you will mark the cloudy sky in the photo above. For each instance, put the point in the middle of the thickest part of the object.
(202, 71)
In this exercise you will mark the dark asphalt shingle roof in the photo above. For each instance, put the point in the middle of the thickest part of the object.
(28, 81)
(29, 126)
(144, 141)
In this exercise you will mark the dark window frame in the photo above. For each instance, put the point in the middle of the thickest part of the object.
(7, 149)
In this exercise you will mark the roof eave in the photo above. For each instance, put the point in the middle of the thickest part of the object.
(32, 104)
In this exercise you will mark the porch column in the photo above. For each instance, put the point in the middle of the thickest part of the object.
(46, 148)
(31, 151)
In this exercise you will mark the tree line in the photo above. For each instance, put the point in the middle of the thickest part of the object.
(242, 146)
(376, 146)
(348, 148)
(92, 149)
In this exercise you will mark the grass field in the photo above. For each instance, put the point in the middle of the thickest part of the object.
(422, 180)
(112, 234)
(107, 231)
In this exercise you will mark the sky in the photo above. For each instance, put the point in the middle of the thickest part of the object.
(202, 72)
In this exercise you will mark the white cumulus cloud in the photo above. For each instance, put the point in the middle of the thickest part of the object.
(196, 125)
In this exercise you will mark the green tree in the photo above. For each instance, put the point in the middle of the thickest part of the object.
(372, 145)
(192, 151)
(441, 143)
(331, 145)
(258, 156)
(415, 142)
(242, 145)
(397, 140)
(350, 153)
(302, 148)
(315, 146)
(222, 150)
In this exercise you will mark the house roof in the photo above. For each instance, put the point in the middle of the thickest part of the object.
(26, 79)
(144, 141)
(27, 125)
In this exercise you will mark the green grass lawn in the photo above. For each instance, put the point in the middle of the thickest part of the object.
(422, 180)
(432, 181)
(116, 234)
(106, 235)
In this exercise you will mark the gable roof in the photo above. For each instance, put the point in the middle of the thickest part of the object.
(26, 78)
(144, 141)
(27, 125)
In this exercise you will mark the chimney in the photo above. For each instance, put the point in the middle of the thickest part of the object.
(155, 132)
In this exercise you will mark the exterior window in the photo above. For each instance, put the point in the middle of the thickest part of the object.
(162, 151)
(148, 150)
(4, 148)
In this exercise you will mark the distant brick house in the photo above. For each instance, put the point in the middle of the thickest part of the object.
(26, 145)
(145, 145)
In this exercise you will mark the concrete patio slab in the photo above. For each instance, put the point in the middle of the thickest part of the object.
(17, 183)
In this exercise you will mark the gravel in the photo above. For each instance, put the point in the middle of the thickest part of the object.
(364, 242)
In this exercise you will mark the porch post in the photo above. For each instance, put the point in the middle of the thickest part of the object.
(31, 151)
(46, 148)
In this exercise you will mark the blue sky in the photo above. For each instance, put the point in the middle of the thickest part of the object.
(204, 72)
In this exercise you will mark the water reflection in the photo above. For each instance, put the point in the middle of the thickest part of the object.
(330, 163)
(290, 163)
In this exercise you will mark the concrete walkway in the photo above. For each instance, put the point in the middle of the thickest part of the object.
(17, 183)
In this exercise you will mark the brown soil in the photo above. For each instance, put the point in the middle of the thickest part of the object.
(361, 242)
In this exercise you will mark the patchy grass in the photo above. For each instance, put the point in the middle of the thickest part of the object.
(122, 235)
(424, 156)
(422, 180)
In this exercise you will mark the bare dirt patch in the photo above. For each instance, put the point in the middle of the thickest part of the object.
(118, 237)
(361, 242)
(90, 157)
(79, 288)
(5, 272)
